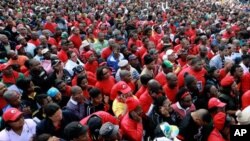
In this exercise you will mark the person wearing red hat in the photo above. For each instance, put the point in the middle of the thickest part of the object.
(215, 106)
(131, 124)
(120, 91)
(221, 131)
(91, 65)
(17, 128)
(9, 76)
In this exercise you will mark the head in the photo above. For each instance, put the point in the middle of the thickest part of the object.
(94, 123)
(116, 50)
(95, 96)
(13, 98)
(163, 106)
(223, 51)
(236, 71)
(53, 112)
(77, 94)
(55, 94)
(215, 106)
(213, 72)
(12, 55)
(4, 39)
(6, 69)
(201, 117)
(57, 65)
(196, 64)
(222, 123)
(43, 100)
(101, 36)
(75, 131)
(203, 51)
(246, 60)
(134, 109)
(72, 56)
(102, 73)
(13, 119)
(125, 76)
(109, 132)
(35, 65)
(65, 45)
(34, 35)
(26, 85)
(149, 61)
(190, 82)
(211, 91)
(145, 79)
(154, 88)
(184, 98)
(172, 80)
(167, 66)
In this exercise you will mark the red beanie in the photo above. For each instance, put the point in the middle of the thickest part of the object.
(132, 103)
(219, 120)
(227, 81)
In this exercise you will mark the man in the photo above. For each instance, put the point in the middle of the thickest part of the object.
(167, 67)
(100, 44)
(5, 46)
(74, 131)
(28, 47)
(91, 64)
(17, 128)
(110, 132)
(124, 65)
(107, 51)
(131, 124)
(75, 37)
(171, 87)
(147, 98)
(76, 102)
(245, 63)
(15, 59)
(219, 59)
(62, 54)
(34, 39)
(149, 65)
(44, 42)
(3, 89)
(115, 58)
(192, 125)
(215, 106)
(59, 72)
(134, 62)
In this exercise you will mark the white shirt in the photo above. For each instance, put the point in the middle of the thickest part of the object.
(71, 64)
(30, 48)
(29, 129)
(245, 69)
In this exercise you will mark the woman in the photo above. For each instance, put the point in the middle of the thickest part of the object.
(213, 77)
(72, 62)
(17, 128)
(105, 81)
(55, 121)
(82, 81)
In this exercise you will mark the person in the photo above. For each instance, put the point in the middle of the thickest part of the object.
(221, 131)
(124, 65)
(55, 95)
(55, 121)
(62, 54)
(46, 137)
(131, 124)
(60, 72)
(171, 87)
(149, 65)
(110, 132)
(75, 37)
(75, 131)
(5, 46)
(91, 63)
(100, 44)
(42, 100)
(17, 128)
(76, 102)
(167, 67)
(218, 60)
(115, 58)
(184, 104)
(191, 126)
(245, 63)
(215, 106)
(72, 62)
(3, 89)
(213, 77)
(165, 131)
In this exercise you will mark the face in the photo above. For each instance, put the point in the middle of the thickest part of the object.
(239, 72)
(3, 88)
(151, 66)
(186, 101)
(214, 91)
(57, 116)
(62, 87)
(172, 82)
(128, 78)
(98, 99)
(47, 101)
(15, 100)
(36, 66)
(116, 51)
(198, 66)
(58, 67)
(17, 124)
(166, 108)
(136, 114)
(106, 73)
(79, 96)
(216, 74)
(8, 71)
(73, 57)
(101, 37)
(84, 84)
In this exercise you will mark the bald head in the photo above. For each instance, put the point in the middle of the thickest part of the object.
(171, 76)
(9, 94)
(75, 90)
(124, 73)
(153, 85)
(201, 117)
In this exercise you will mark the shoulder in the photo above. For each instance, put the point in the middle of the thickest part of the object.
(4, 135)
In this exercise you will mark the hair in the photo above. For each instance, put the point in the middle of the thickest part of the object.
(206, 116)
(69, 53)
(79, 79)
(51, 109)
(42, 137)
(233, 69)
(148, 59)
(39, 98)
(94, 92)
(158, 102)
(24, 85)
(145, 78)
(188, 79)
(210, 71)
(195, 60)
(74, 90)
(8, 94)
(99, 72)
(180, 93)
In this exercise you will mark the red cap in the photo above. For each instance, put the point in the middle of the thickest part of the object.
(132, 103)
(219, 120)
(120, 86)
(4, 66)
(215, 102)
(245, 99)
(88, 54)
(19, 47)
(227, 81)
(11, 114)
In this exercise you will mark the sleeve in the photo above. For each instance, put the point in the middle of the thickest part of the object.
(181, 80)
(112, 119)
(212, 63)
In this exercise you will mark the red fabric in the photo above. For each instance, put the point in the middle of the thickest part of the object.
(133, 130)
(84, 54)
(140, 91)
(210, 54)
(161, 78)
(3, 102)
(215, 135)
(181, 112)
(157, 37)
(170, 93)
(222, 73)
(67, 91)
(132, 86)
(106, 52)
(227, 81)
(86, 94)
(200, 76)
(245, 99)
(76, 39)
(91, 67)
(62, 55)
(50, 26)
(138, 43)
(227, 35)
(219, 120)
(173, 29)
(191, 32)
(142, 50)
(12, 79)
(106, 117)
(194, 50)
(181, 62)
(145, 100)
(35, 42)
(245, 82)
(177, 48)
(52, 41)
(90, 76)
(105, 86)
(132, 103)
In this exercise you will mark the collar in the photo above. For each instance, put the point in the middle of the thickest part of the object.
(32, 96)
(179, 107)
(73, 101)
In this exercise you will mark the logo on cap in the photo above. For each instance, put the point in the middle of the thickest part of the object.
(124, 86)
(13, 111)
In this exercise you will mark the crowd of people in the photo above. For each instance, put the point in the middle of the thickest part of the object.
(107, 70)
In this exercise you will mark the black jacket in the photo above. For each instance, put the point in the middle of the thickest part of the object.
(3, 51)
(46, 125)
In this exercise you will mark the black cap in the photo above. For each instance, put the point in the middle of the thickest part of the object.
(74, 130)
(55, 62)
(94, 124)
(78, 69)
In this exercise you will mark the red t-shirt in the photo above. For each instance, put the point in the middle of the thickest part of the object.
(170, 93)
(50, 26)
(105, 86)
(35, 42)
(138, 43)
(62, 55)
(91, 67)
(76, 39)
(145, 100)
(140, 91)
(106, 52)
(161, 78)
(91, 79)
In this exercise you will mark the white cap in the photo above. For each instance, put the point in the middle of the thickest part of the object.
(45, 50)
(85, 43)
(123, 63)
